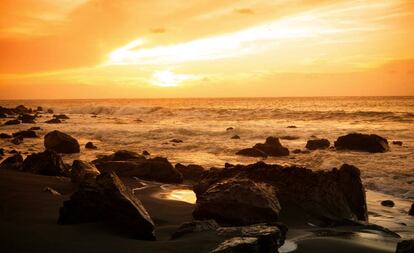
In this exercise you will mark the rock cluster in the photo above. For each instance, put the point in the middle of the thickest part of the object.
(271, 147)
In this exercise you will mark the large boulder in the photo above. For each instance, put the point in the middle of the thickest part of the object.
(61, 142)
(190, 172)
(362, 142)
(238, 202)
(13, 162)
(271, 147)
(405, 246)
(47, 163)
(108, 199)
(318, 144)
(130, 164)
(83, 171)
(332, 197)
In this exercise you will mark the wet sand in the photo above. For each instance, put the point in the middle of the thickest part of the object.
(28, 218)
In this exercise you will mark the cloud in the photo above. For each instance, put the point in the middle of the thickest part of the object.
(244, 11)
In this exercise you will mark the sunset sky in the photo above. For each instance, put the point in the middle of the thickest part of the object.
(217, 48)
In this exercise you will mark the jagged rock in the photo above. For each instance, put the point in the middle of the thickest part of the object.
(318, 144)
(27, 118)
(13, 162)
(83, 171)
(47, 163)
(238, 202)
(5, 136)
(398, 143)
(191, 171)
(60, 116)
(411, 211)
(176, 141)
(130, 164)
(61, 142)
(108, 199)
(251, 152)
(332, 196)
(362, 142)
(12, 122)
(51, 191)
(145, 153)
(405, 246)
(239, 245)
(90, 145)
(25, 134)
(195, 226)
(388, 203)
(53, 121)
(235, 137)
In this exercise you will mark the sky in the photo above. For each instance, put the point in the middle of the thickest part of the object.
(62, 49)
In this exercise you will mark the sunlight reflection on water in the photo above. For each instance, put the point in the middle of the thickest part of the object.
(183, 195)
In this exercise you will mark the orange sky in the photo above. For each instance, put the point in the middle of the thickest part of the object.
(216, 48)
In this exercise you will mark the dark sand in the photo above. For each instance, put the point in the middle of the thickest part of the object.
(28, 218)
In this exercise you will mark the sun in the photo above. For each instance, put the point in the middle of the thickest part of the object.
(167, 78)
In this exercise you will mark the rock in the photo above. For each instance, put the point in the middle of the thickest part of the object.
(190, 172)
(292, 126)
(35, 128)
(61, 142)
(146, 153)
(154, 169)
(253, 152)
(398, 143)
(235, 137)
(51, 191)
(25, 134)
(39, 109)
(239, 245)
(405, 246)
(195, 226)
(176, 141)
(297, 151)
(47, 163)
(334, 197)
(289, 137)
(53, 121)
(17, 140)
(238, 202)
(229, 128)
(12, 122)
(50, 111)
(27, 118)
(121, 155)
(108, 199)
(1, 151)
(388, 203)
(90, 145)
(3, 115)
(60, 116)
(13, 162)
(411, 211)
(22, 109)
(5, 136)
(272, 147)
(83, 171)
(318, 144)
(362, 142)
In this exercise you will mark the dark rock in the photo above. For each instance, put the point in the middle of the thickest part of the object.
(239, 245)
(297, 151)
(1, 151)
(17, 140)
(272, 147)
(60, 116)
(21, 109)
(12, 122)
(195, 226)
(362, 142)
(13, 152)
(238, 202)
(229, 128)
(39, 109)
(108, 200)
(47, 163)
(235, 137)
(49, 111)
(388, 203)
(53, 121)
(83, 171)
(176, 141)
(292, 126)
(13, 162)
(35, 128)
(90, 145)
(398, 143)
(253, 152)
(289, 137)
(318, 144)
(25, 134)
(61, 142)
(3, 115)
(130, 164)
(27, 118)
(51, 191)
(411, 211)
(228, 165)
(191, 171)
(332, 196)
(146, 153)
(405, 246)
(5, 136)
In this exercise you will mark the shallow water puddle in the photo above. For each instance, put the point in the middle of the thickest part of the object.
(184, 195)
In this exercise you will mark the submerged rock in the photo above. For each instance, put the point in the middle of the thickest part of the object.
(13, 162)
(108, 199)
(362, 142)
(318, 144)
(61, 142)
(388, 203)
(12, 122)
(25, 134)
(35, 128)
(27, 118)
(235, 137)
(238, 202)
(334, 196)
(60, 116)
(47, 163)
(83, 171)
(90, 145)
(5, 136)
(229, 128)
(405, 246)
(292, 126)
(17, 140)
(398, 143)
(253, 152)
(53, 121)
(191, 171)
(121, 155)
(176, 141)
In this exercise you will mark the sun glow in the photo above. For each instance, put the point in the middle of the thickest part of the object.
(167, 78)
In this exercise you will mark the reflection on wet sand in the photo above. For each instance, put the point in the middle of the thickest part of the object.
(184, 195)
